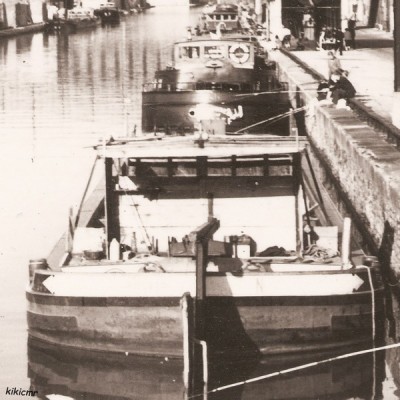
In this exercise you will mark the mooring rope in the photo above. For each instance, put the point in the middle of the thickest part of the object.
(298, 368)
(271, 119)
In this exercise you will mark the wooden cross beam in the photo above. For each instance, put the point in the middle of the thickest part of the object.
(204, 232)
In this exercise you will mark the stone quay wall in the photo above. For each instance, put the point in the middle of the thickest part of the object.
(365, 167)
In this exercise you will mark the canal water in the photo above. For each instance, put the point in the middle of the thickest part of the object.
(59, 95)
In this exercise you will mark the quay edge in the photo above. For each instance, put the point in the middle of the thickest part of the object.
(363, 164)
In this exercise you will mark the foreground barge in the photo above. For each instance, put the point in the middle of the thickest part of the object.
(276, 280)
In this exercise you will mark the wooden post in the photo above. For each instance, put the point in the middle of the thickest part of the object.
(346, 239)
(210, 197)
(396, 57)
(199, 316)
(200, 237)
(112, 219)
(396, 35)
(298, 190)
(201, 266)
(186, 339)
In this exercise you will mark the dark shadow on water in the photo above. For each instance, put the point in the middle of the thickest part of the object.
(96, 376)
(24, 43)
(305, 376)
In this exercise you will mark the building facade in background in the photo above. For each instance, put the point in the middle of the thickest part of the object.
(302, 17)
(308, 17)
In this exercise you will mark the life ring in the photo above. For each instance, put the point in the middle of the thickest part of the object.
(239, 53)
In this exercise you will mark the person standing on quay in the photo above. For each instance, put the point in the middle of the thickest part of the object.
(339, 41)
(334, 65)
(347, 39)
(351, 25)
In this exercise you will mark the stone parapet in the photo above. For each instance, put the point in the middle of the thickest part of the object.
(363, 163)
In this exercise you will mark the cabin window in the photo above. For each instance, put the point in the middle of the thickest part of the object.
(219, 168)
(250, 167)
(187, 168)
(221, 86)
(236, 167)
(163, 168)
(191, 167)
(147, 170)
(189, 52)
(214, 52)
(280, 166)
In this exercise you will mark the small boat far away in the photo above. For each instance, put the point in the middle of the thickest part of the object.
(221, 16)
(108, 13)
(73, 20)
(237, 209)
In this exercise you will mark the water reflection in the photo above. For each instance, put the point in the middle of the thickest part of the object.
(120, 378)
(59, 94)
(24, 43)
(56, 371)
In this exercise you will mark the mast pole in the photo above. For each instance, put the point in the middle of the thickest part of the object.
(396, 58)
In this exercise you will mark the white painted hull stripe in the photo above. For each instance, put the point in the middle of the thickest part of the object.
(175, 285)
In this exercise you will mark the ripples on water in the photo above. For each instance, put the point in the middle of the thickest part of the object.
(58, 96)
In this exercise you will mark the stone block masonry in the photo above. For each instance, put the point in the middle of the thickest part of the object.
(363, 163)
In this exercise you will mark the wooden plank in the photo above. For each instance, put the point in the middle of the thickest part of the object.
(185, 147)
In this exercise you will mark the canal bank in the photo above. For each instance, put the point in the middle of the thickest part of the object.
(358, 146)
(11, 32)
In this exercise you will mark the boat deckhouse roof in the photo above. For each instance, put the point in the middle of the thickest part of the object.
(186, 147)
(225, 39)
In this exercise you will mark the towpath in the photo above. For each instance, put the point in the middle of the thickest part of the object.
(370, 66)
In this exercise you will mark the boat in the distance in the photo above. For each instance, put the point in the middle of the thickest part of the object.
(238, 210)
(221, 16)
(108, 13)
(228, 71)
(74, 20)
